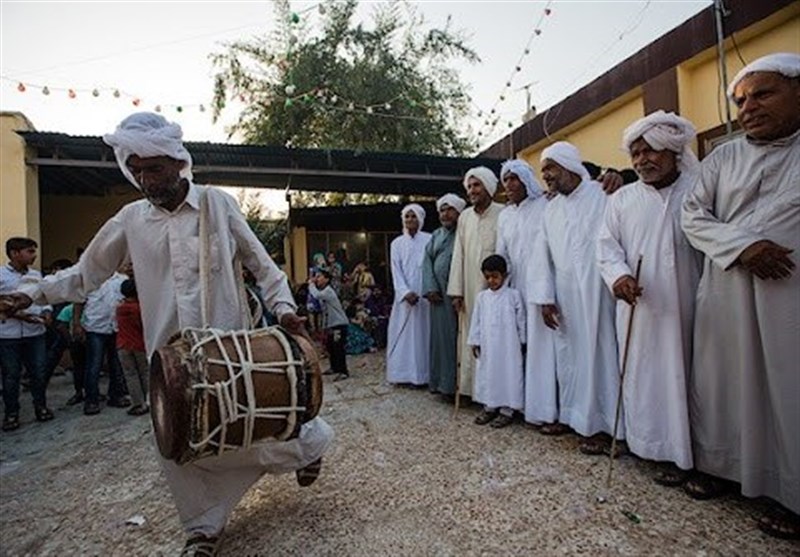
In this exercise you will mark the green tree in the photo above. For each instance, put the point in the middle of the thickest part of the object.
(270, 232)
(387, 86)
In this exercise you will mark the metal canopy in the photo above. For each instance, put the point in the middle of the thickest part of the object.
(84, 165)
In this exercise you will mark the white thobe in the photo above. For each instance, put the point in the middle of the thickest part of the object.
(498, 327)
(585, 341)
(164, 249)
(476, 238)
(745, 383)
(518, 228)
(643, 221)
(409, 334)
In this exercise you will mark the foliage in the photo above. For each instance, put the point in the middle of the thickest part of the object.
(270, 232)
(386, 87)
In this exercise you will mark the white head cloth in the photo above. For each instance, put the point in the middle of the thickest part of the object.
(525, 174)
(148, 135)
(784, 63)
(664, 130)
(451, 200)
(417, 210)
(485, 176)
(567, 156)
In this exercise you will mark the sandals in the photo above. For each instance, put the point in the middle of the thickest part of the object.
(43, 414)
(501, 421)
(554, 429)
(308, 475)
(596, 445)
(671, 476)
(11, 422)
(138, 410)
(702, 486)
(780, 523)
(201, 546)
(485, 417)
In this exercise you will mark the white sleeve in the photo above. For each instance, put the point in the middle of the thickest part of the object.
(610, 255)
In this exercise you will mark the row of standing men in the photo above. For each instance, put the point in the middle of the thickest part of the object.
(712, 369)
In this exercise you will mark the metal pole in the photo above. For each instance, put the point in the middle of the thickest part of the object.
(719, 12)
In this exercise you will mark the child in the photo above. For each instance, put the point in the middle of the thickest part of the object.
(334, 320)
(497, 337)
(130, 347)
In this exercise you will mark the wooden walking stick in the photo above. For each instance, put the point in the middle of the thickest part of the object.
(459, 360)
(621, 380)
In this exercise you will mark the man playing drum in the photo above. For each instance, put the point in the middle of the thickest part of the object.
(162, 235)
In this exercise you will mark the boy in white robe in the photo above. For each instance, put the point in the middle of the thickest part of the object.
(497, 339)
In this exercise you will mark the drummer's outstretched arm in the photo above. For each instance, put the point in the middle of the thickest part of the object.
(101, 258)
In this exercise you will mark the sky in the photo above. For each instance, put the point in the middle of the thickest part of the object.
(157, 53)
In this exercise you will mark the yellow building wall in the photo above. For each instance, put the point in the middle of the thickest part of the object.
(19, 185)
(298, 272)
(597, 135)
(71, 221)
(700, 97)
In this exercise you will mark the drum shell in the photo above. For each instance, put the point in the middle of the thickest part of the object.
(183, 414)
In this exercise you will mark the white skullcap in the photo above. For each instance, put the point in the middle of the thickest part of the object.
(784, 63)
(664, 130)
(567, 156)
(485, 176)
(524, 172)
(417, 210)
(145, 134)
(451, 200)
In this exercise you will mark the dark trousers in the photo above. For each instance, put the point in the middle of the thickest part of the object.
(14, 353)
(337, 349)
(56, 345)
(77, 352)
(100, 346)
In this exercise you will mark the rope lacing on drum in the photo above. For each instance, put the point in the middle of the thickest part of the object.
(230, 408)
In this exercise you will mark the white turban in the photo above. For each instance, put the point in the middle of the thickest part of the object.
(148, 135)
(524, 172)
(485, 176)
(567, 156)
(664, 130)
(417, 210)
(784, 63)
(451, 200)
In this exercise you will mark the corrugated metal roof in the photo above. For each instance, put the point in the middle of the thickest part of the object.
(85, 165)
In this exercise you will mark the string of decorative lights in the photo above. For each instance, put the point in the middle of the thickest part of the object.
(492, 119)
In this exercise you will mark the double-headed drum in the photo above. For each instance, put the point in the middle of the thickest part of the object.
(217, 391)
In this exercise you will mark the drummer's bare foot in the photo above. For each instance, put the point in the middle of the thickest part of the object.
(308, 475)
(201, 546)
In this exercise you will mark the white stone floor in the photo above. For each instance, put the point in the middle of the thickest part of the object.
(404, 477)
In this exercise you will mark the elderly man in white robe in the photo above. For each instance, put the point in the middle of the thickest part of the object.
(161, 236)
(518, 229)
(744, 214)
(476, 239)
(643, 220)
(575, 303)
(409, 334)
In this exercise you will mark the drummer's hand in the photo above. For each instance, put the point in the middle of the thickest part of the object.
(11, 303)
(294, 324)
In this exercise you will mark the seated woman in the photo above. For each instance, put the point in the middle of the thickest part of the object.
(359, 340)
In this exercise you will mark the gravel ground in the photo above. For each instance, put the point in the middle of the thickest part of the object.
(404, 477)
